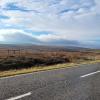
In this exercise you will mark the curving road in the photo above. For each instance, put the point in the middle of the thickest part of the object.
(77, 83)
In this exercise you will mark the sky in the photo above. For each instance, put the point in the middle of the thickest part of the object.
(50, 22)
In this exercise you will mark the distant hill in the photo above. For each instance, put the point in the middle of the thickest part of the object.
(39, 48)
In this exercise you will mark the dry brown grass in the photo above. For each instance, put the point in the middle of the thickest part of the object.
(28, 58)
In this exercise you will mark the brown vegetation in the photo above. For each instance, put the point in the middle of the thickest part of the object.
(18, 59)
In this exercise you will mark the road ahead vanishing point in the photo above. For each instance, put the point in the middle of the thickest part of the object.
(77, 83)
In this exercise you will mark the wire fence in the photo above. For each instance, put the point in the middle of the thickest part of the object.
(12, 53)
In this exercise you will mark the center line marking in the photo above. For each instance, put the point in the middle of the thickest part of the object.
(89, 74)
(21, 96)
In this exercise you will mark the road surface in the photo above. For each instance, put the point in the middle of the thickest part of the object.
(77, 83)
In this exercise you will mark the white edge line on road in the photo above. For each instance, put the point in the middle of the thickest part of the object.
(89, 74)
(19, 97)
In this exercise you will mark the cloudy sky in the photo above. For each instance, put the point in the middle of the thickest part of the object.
(50, 22)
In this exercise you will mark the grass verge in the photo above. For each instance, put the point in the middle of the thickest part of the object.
(36, 69)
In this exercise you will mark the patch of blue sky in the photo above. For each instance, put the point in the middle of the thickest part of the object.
(4, 17)
(14, 6)
(10, 27)
(75, 9)
(36, 33)
(97, 39)
(53, 2)
(67, 10)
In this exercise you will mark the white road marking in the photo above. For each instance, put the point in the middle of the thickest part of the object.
(89, 74)
(21, 96)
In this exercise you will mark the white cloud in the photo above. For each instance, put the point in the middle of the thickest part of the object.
(65, 19)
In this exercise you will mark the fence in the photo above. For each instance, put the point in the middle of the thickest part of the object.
(12, 53)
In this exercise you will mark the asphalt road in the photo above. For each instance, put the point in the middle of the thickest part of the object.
(80, 83)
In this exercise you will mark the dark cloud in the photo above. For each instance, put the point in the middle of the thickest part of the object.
(20, 38)
(63, 42)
